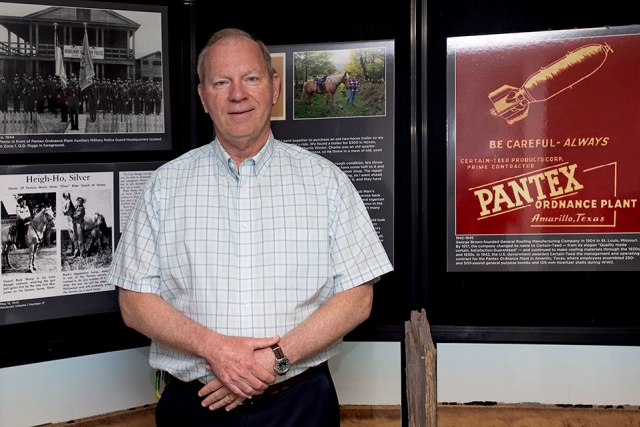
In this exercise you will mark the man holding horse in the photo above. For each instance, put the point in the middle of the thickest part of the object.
(246, 261)
(354, 86)
(78, 226)
(23, 216)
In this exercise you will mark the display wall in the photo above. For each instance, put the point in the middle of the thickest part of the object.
(409, 137)
(90, 323)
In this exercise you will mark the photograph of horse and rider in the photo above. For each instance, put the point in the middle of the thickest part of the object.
(85, 233)
(29, 233)
(339, 83)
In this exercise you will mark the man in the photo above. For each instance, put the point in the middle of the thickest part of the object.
(354, 85)
(23, 216)
(92, 95)
(246, 261)
(16, 92)
(68, 210)
(29, 92)
(39, 87)
(157, 98)
(78, 226)
(73, 101)
(4, 95)
(61, 95)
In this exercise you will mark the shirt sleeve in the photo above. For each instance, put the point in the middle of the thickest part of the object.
(357, 255)
(136, 264)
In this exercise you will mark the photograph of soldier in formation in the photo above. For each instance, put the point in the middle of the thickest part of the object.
(80, 70)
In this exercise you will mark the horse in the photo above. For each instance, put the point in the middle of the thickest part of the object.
(34, 237)
(330, 87)
(8, 244)
(98, 232)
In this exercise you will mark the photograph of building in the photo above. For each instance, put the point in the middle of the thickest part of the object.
(72, 69)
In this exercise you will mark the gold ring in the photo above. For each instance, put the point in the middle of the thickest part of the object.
(231, 397)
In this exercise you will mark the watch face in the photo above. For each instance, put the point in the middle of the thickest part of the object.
(282, 365)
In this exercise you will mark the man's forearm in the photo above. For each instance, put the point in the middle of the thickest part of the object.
(152, 316)
(332, 321)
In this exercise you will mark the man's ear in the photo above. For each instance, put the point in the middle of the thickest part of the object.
(200, 90)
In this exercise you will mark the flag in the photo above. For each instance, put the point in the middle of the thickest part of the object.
(86, 64)
(60, 72)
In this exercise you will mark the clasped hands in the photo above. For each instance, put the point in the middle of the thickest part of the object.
(243, 367)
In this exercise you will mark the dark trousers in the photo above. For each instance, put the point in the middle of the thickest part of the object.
(73, 116)
(312, 402)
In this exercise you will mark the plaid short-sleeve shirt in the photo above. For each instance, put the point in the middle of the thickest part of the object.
(248, 252)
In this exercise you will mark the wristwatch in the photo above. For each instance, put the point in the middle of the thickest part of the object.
(282, 361)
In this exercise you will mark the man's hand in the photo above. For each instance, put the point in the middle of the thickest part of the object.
(233, 361)
(230, 358)
(218, 395)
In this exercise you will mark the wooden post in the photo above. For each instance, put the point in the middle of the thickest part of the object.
(420, 371)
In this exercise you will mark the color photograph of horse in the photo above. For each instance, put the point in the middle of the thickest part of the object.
(339, 83)
(86, 229)
(28, 236)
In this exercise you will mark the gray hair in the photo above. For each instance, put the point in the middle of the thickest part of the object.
(229, 33)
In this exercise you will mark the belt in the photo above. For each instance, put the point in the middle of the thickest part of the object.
(269, 391)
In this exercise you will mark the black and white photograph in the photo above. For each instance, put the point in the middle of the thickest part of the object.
(69, 217)
(80, 75)
(86, 224)
(28, 233)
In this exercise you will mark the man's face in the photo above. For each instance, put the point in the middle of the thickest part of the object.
(237, 92)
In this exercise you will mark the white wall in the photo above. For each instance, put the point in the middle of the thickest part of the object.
(63, 390)
(516, 373)
(364, 374)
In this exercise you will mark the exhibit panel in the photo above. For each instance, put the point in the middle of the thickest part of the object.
(90, 105)
(530, 185)
(542, 172)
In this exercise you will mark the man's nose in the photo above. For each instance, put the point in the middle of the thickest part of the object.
(238, 91)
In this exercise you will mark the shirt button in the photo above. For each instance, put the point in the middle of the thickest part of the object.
(246, 304)
(245, 264)
(245, 225)
(244, 189)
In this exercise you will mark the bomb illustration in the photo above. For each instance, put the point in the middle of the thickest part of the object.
(512, 103)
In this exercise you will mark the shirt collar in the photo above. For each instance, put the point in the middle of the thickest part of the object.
(261, 160)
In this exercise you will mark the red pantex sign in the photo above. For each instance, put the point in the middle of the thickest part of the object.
(546, 134)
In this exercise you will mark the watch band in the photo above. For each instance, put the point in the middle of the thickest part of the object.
(277, 350)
